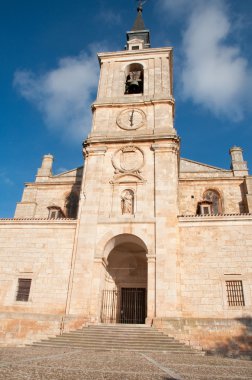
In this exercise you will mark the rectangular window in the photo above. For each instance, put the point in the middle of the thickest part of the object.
(135, 47)
(235, 294)
(24, 285)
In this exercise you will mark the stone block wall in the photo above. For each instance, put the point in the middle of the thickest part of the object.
(40, 251)
(227, 337)
(214, 250)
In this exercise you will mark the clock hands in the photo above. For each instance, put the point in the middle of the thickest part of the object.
(131, 118)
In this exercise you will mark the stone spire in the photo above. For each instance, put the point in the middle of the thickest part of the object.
(139, 22)
(138, 32)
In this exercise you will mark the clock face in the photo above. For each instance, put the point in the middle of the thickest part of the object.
(131, 119)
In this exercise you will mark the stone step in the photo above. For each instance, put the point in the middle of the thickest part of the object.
(109, 342)
(117, 337)
(141, 349)
(118, 344)
(115, 347)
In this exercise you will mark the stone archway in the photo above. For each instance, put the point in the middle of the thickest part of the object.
(124, 297)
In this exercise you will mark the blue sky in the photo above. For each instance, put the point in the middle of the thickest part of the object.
(49, 74)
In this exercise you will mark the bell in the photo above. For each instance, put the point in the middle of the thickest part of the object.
(134, 87)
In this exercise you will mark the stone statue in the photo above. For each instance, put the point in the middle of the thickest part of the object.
(127, 202)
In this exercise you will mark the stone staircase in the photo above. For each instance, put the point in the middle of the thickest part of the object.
(117, 337)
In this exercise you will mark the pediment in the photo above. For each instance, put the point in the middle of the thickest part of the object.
(127, 178)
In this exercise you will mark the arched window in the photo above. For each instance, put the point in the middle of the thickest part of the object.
(127, 201)
(214, 200)
(134, 79)
(71, 205)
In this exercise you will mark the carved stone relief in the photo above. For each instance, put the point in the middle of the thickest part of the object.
(128, 159)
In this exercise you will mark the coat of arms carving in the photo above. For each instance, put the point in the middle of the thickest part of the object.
(128, 159)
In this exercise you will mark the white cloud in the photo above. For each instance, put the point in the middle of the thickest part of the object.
(177, 8)
(64, 94)
(214, 74)
(109, 17)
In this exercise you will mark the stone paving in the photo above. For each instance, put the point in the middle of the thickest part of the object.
(42, 363)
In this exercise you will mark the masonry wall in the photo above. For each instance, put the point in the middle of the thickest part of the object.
(231, 190)
(214, 250)
(41, 251)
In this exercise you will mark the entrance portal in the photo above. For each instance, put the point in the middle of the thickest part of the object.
(125, 286)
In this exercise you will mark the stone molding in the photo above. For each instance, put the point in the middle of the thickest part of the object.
(94, 150)
(37, 221)
(172, 147)
(132, 138)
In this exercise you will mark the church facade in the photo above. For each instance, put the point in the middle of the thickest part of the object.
(136, 235)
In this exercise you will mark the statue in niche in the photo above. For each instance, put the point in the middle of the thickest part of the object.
(127, 202)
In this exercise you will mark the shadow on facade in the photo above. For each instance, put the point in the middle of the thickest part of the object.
(72, 199)
(238, 346)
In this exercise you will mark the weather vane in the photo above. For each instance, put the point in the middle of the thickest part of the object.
(140, 4)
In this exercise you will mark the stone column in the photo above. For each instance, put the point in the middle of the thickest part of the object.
(151, 288)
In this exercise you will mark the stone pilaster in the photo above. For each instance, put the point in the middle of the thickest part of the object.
(166, 211)
(151, 288)
(85, 267)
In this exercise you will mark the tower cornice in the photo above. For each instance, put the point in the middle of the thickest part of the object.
(137, 53)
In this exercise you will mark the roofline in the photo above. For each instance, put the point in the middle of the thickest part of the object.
(202, 163)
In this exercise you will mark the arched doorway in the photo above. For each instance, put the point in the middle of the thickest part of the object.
(124, 298)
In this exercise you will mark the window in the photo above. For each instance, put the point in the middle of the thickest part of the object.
(235, 295)
(136, 47)
(134, 79)
(55, 212)
(204, 208)
(23, 291)
(213, 197)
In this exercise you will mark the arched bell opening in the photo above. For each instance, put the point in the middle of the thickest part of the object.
(134, 74)
(125, 286)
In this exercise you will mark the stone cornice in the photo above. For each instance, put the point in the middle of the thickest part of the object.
(135, 53)
(51, 222)
(54, 183)
(184, 219)
(210, 178)
(137, 101)
(130, 139)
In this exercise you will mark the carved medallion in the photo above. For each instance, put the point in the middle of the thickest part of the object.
(131, 119)
(128, 159)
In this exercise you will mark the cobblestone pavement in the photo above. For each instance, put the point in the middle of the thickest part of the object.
(37, 363)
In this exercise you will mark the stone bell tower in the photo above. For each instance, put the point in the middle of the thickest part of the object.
(128, 206)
